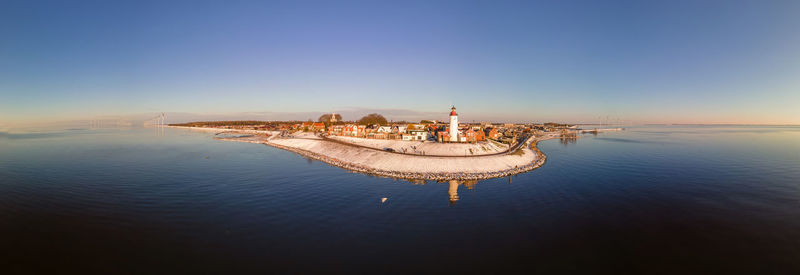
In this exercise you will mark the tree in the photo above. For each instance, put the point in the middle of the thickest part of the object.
(426, 122)
(371, 119)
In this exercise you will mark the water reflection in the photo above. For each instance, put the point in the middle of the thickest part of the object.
(567, 139)
(96, 196)
(453, 191)
(453, 186)
(158, 129)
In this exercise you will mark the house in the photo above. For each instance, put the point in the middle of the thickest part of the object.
(491, 133)
(351, 130)
(336, 130)
(378, 132)
(396, 132)
(471, 135)
(416, 132)
(307, 126)
(318, 126)
(377, 135)
(443, 136)
(384, 129)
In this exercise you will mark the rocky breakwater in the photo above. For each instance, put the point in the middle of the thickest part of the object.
(386, 164)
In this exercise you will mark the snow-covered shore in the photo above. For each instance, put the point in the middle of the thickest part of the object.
(415, 167)
(429, 148)
(382, 163)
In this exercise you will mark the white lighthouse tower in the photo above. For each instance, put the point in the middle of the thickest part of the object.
(453, 125)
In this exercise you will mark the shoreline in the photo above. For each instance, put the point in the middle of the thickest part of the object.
(400, 166)
(435, 176)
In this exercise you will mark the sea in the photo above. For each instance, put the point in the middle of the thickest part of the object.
(653, 199)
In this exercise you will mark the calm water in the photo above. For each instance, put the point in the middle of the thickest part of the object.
(649, 199)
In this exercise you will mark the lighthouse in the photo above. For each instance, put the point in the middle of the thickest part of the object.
(453, 125)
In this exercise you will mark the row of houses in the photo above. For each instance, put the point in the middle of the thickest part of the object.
(402, 132)
(411, 132)
(438, 132)
(428, 130)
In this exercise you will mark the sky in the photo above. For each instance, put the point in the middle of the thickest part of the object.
(566, 61)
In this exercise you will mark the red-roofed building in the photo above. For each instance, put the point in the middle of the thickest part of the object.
(354, 130)
(472, 136)
(492, 133)
(336, 130)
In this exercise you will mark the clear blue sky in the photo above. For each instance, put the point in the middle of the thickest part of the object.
(573, 61)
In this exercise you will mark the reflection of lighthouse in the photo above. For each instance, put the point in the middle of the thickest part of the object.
(453, 125)
(453, 191)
